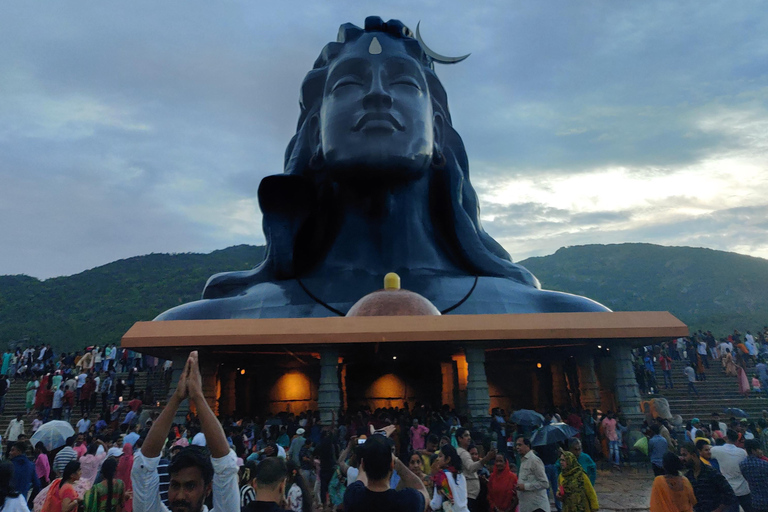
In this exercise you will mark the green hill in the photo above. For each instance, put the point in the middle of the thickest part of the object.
(706, 289)
(97, 306)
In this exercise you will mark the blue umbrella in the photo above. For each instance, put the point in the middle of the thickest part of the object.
(553, 433)
(527, 418)
(736, 412)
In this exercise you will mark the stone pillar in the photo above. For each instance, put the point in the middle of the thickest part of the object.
(559, 386)
(329, 394)
(462, 376)
(478, 397)
(589, 390)
(627, 391)
(179, 359)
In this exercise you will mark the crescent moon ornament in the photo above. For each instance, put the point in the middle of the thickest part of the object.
(436, 56)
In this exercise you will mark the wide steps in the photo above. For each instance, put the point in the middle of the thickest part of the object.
(716, 393)
(15, 399)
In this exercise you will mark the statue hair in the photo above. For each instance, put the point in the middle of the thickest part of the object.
(302, 198)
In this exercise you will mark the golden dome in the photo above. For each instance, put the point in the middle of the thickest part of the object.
(393, 301)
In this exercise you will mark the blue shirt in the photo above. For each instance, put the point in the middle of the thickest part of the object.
(657, 447)
(24, 475)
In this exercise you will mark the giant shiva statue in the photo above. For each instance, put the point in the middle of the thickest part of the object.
(376, 180)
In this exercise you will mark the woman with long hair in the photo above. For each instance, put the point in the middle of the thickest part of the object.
(576, 491)
(10, 500)
(124, 467)
(62, 496)
(109, 494)
(502, 487)
(450, 484)
(42, 464)
(672, 492)
(297, 494)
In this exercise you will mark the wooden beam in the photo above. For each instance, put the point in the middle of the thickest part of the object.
(629, 326)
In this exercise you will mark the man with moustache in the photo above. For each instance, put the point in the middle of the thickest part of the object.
(196, 471)
(712, 491)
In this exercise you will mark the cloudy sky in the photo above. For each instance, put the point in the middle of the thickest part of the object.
(135, 127)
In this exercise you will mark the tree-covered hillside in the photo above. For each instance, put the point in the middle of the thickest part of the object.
(704, 288)
(99, 305)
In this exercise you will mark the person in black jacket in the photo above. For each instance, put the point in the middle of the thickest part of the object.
(710, 487)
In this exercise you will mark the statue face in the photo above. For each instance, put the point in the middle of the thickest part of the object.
(376, 118)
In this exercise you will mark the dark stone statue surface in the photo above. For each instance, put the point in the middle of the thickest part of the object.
(376, 180)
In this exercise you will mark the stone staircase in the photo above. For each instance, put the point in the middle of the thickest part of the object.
(716, 393)
(15, 399)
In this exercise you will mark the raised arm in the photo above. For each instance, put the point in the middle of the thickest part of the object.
(157, 435)
(209, 424)
(342, 462)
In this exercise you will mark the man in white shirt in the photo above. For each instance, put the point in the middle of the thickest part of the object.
(198, 439)
(80, 383)
(14, 430)
(532, 481)
(194, 472)
(729, 456)
(109, 356)
(58, 403)
(83, 424)
(469, 468)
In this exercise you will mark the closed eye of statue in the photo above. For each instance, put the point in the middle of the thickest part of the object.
(347, 81)
(406, 81)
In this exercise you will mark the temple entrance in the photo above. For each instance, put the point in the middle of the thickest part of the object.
(392, 383)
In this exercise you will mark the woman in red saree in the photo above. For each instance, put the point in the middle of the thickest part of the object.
(502, 487)
(124, 466)
(62, 496)
(743, 381)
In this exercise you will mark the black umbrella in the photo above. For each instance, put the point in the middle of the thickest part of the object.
(553, 433)
(527, 418)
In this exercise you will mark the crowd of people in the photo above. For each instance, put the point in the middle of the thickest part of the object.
(125, 456)
(743, 357)
(714, 467)
(388, 459)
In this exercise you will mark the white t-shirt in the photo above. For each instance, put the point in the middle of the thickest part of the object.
(17, 504)
(199, 439)
(81, 380)
(729, 456)
(352, 474)
(83, 425)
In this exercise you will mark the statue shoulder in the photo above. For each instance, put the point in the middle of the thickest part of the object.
(498, 295)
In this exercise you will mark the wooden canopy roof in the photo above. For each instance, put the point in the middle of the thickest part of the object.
(538, 329)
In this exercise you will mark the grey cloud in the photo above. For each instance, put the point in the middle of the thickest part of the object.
(742, 228)
(192, 103)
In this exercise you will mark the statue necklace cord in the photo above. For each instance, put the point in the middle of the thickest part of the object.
(339, 313)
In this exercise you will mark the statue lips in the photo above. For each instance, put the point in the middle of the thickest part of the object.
(378, 121)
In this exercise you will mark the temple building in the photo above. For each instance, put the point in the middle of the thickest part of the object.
(413, 354)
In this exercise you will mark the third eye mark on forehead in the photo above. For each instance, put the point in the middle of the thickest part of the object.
(361, 69)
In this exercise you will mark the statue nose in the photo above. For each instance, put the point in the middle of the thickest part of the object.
(377, 96)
